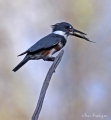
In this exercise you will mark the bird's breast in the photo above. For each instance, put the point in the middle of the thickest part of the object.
(51, 51)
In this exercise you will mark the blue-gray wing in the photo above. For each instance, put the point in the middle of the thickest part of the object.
(45, 43)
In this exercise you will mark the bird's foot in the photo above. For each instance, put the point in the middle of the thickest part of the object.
(49, 58)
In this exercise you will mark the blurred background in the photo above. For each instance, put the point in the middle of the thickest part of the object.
(81, 85)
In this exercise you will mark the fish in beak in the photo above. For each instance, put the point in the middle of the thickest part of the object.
(79, 34)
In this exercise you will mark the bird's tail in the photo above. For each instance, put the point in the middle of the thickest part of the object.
(25, 60)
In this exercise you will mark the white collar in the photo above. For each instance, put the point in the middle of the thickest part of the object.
(60, 33)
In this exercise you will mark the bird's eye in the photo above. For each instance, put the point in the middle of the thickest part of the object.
(68, 27)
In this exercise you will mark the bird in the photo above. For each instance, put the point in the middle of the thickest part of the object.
(50, 44)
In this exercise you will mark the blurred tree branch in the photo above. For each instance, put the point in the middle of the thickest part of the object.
(45, 85)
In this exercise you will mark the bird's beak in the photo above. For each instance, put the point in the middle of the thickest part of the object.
(79, 34)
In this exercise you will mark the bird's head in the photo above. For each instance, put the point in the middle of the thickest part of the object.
(66, 29)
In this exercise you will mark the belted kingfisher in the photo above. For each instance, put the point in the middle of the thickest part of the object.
(50, 44)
